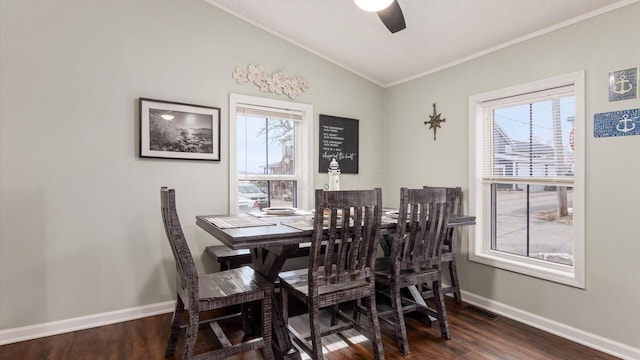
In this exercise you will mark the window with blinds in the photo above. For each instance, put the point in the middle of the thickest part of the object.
(528, 163)
(267, 149)
(527, 178)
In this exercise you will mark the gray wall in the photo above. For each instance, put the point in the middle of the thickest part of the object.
(608, 305)
(80, 229)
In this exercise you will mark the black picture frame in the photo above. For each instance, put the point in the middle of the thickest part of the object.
(338, 138)
(173, 130)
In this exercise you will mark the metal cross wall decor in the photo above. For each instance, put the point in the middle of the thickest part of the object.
(435, 120)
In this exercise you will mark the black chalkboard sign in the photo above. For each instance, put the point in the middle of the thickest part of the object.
(339, 139)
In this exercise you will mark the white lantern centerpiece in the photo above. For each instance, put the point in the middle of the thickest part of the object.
(334, 172)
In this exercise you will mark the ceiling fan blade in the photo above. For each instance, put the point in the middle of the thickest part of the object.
(392, 17)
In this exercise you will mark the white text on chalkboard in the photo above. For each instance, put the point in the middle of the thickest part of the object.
(338, 155)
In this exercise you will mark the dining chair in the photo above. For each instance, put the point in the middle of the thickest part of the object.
(415, 260)
(341, 263)
(211, 291)
(449, 250)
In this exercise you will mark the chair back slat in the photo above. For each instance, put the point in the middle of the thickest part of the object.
(347, 236)
(185, 266)
(418, 245)
(454, 198)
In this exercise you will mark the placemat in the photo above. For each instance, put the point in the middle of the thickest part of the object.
(300, 224)
(389, 220)
(260, 214)
(233, 222)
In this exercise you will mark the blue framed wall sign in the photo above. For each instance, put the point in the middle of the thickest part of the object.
(617, 123)
(623, 84)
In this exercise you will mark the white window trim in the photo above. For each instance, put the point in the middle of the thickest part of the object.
(479, 205)
(303, 151)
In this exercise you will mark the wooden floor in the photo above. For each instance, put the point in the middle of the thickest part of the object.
(475, 335)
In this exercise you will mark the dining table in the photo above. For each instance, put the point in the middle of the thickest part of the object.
(272, 239)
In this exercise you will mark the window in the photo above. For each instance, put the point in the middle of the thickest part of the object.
(527, 178)
(270, 156)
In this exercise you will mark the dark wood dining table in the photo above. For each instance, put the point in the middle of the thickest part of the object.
(270, 246)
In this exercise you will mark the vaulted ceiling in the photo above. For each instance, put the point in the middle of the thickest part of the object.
(439, 33)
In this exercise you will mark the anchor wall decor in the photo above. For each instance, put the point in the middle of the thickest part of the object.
(616, 123)
(435, 120)
(625, 124)
(623, 84)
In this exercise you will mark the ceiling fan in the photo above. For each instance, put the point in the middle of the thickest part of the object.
(388, 10)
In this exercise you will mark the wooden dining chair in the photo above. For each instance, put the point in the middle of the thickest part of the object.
(415, 260)
(347, 238)
(211, 291)
(449, 249)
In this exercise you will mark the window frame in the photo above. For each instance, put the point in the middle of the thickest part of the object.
(303, 147)
(480, 201)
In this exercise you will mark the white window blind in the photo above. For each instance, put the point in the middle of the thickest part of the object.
(266, 112)
(526, 138)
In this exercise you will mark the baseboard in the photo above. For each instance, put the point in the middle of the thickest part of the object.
(9, 336)
(593, 341)
(85, 322)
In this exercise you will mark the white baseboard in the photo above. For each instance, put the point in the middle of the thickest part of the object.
(9, 336)
(593, 341)
(85, 322)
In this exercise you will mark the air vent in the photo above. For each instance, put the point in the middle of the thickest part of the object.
(482, 312)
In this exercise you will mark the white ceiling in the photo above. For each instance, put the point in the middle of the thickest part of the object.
(439, 33)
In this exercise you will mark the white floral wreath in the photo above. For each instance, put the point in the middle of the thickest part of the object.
(277, 83)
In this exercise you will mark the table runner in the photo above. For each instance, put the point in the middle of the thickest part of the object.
(232, 222)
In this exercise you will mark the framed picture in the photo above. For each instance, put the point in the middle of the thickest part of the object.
(172, 130)
(623, 84)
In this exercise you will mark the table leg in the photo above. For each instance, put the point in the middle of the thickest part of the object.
(417, 297)
(385, 244)
(269, 262)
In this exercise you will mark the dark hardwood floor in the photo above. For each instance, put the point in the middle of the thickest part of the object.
(474, 336)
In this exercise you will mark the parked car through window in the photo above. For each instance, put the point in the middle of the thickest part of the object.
(252, 192)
